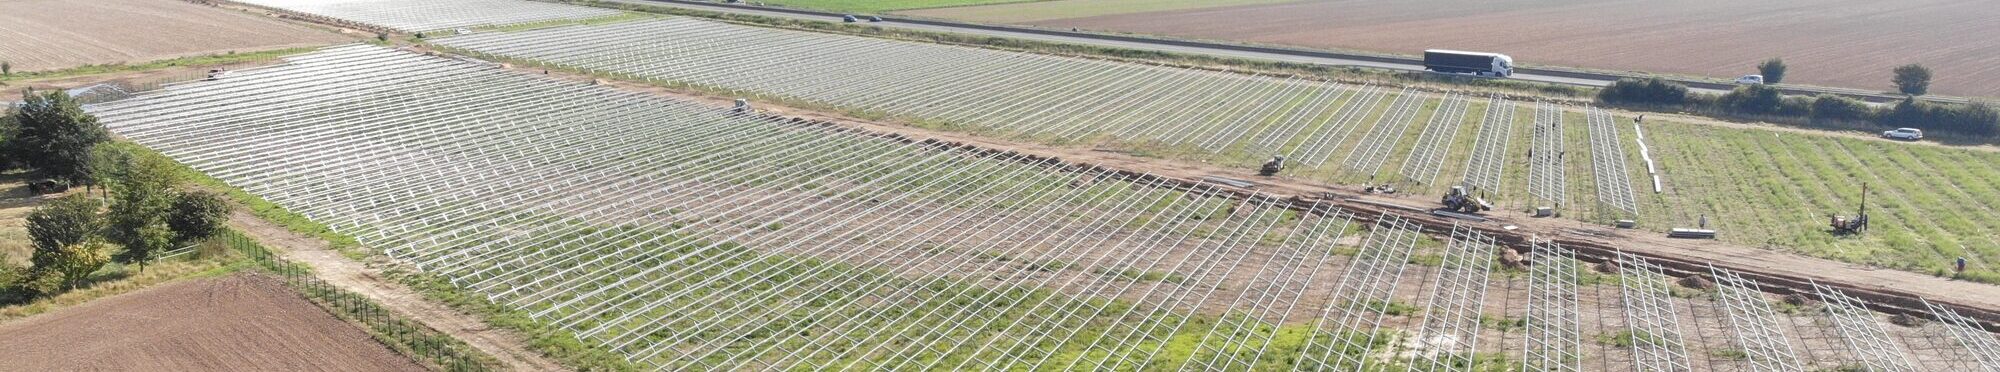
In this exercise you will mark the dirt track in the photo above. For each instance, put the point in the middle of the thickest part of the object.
(233, 323)
(357, 277)
(1846, 43)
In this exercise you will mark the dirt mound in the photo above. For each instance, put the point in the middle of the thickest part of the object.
(1697, 282)
(239, 322)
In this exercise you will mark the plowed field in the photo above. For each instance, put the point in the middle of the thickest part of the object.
(1847, 43)
(40, 35)
(235, 323)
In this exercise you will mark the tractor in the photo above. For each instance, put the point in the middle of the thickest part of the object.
(1271, 168)
(1849, 226)
(1458, 200)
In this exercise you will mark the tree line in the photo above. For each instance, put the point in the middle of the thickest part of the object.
(1823, 110)
(143, 206)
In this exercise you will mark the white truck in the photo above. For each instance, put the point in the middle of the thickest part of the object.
(1463, 62)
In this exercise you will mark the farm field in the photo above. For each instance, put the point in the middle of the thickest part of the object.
(1062, 9)
(691, 237)
(1770, 189)
(1825, 42)
(209, 324)
(413, 16)
(878, 6)
(55, 34)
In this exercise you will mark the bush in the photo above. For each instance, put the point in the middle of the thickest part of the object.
(1913, 79)
(1654, 91)
(196, 215)
(1773, 70)
(1798, 106)
(1753, 99)
(1827, 108)
(1976, 119)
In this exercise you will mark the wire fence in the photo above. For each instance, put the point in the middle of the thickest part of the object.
(417, 341)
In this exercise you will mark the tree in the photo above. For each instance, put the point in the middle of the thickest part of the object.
(142, 197)
(196, 215)
(1773, 70)
(67, 221)
(55, 136)
(75, 262)
(1913, 79)
(6, 68)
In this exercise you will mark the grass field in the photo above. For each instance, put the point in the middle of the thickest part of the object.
(1063, 9)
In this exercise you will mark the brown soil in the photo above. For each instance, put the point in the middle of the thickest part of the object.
(233, 323)
(362, 279)
(56, 34)
(1847, 43)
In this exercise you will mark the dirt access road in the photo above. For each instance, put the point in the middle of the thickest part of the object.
(1844, 43)
(233, 323)
(511, 349)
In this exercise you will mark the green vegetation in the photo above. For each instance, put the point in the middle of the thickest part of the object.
(1773, 70)
(1390, 308)
(880, 6)
(1912, 79)
(1636, 92)
(1143, 276)
(1625, 339)
(1979, 120)
(51, 134)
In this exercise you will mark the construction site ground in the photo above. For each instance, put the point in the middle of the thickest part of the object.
(1762, 264)
(1778, 270)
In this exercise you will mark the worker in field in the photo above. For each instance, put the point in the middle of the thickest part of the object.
(1959, 266)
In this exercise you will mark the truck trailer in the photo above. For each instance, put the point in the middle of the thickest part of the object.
(1462, 62)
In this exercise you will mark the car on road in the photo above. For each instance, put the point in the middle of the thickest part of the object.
(848, 18)
(1911, 134)
(1750, 80)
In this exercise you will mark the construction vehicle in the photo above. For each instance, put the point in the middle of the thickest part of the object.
(1458, 200)
(1271, 168)
(1848, 226)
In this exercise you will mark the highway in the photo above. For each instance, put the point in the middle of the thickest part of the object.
(1320, 57)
